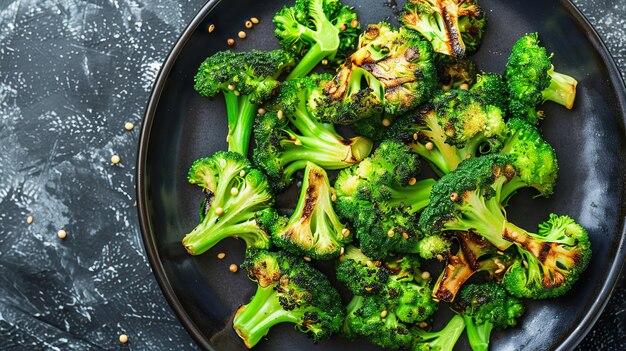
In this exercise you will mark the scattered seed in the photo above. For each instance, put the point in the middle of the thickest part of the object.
(390, 233)
(354, 23)
(332, 90)
(279, 114)
(234, 191)
(211, 28)
(29, 219)
(221, 255)
(324, 62)
(436, 299)
(236, 92)
(468, 156)
(499, 271)
(405, 235)
(345, 232)
(135, 204)
(425, 275)
(412, 181)
(383, 314)
(369, 263)
(254, 20)
(386, 122)
(129, 126)
(242, 34)
(230, 41)
(233, 268)
(423, 324)
(500, 252)
(219, 211)
(231, 87)
(261, 111)
(341, 251)
(123, 338)
(451, 267)
(308, 259)
(414, 136)
(115, 159)
(525, 264)
(242, 173)
(343, 26)
(439, 257)
(429, 145)
(399, 260)
(368, 289)
(333, 197)
(62, 234)
(378, 263)
(454, 196)
(464, 86)
(248, 24)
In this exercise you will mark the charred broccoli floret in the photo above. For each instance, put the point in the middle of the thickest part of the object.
(360, 274)
(289, 291)
(316, 30)
(238, 201)
(246, 79)
(453, 27)
(455, 72)
(290, 136)
(531, 80)
(485, 307)
(313, 230)
(491, 88)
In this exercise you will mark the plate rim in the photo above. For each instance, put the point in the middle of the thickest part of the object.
(570, 342)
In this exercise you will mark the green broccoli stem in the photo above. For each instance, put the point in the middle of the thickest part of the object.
(416, 196)
(254, 320)
(208, 233)
(562, 89)
(446, 338)
(241, 113)
(354, 85)
(443, 156)
(478, 334)
(510, 188)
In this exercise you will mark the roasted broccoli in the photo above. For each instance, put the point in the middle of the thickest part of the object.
(381, 197)
(360, 274)
(453, 27)
(531, 80)
(432, 245)
(289, 291)
(442, 340)
(456, 126)
(238, 204)
(484, 307)
(246, 79)
(470, 198)
(491, 88)
(289, 137)
(313, 230)
(316, 30)
(454, 72)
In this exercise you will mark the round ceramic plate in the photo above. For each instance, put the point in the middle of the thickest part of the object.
(181, 126)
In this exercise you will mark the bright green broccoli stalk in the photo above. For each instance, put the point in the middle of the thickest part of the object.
(289, 291)
(491, 88)
(533, 158)
(470, 198)
(316, 30)
(485, 307)
(551, 260)
(238, 204)
(454, 73)
(286, 139)
(453, 27)
(381, 198)
(246, 80)
(442, 340)
(531, 80)
(475, 254)
(458, 125)
(313, 230)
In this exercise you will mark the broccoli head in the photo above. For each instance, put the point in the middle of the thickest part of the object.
(483, 307)
(531, 80)
(432, 245)
(246, 79)
(453, 27)
(288, 291)
(316, 30)
(491, 88)
(238, 200)
(290, 135)
(360, 274)
(313, 230)
(454, 73)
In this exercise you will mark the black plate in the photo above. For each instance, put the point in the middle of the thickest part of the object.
(181, 126)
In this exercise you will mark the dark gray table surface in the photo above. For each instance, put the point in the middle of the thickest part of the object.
(72, 73)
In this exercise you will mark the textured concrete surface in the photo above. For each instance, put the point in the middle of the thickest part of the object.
(72, 73)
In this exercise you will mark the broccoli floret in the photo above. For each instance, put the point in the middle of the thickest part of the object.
(313, 230)
(432, 245)
(381, 198)
(396, 67)
(458, 125)
(453, 27)
(475, 254)
(316, 30)
(360, 274)
(289, 137)
(484, 307)
(454, 72)
(551, 260)
(240, 197)
(491, 88)
(470, 198)
(443, 340)
(246, 79)
(533, 158)
(531, 80)
(289, 291)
